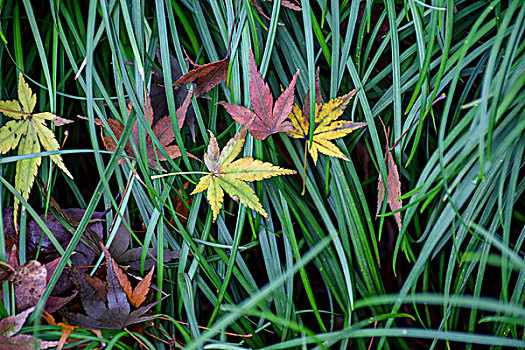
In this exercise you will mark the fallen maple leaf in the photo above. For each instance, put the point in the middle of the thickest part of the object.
(327, 127)
(28, 131)
(162, 129)
(269, 118)
(108, 308)
(392, 186)
(231, 176)
(9, 339)
(208, 76)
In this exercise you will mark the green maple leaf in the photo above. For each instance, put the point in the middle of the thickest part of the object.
(28, 131)
(227, 175)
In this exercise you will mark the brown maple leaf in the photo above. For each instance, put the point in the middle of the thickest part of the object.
(162, 129)
(393, 185)
(270, 118)
(207, 76)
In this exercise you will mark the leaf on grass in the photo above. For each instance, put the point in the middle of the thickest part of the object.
(28, 132)
(163, 129)
(269, 118)
(231, 176)
(113, 311)
(181, 206)
(392, 187)
(327, 127)
(207, 76)
(10, 326)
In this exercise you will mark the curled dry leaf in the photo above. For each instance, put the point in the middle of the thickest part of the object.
(207, 76)
(392, 187)
(270, 118)
(231, 176)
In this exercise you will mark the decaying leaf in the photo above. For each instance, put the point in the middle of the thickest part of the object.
(162, 129)
(269, 118)
(132, 258)
(28, 131)
(29, 282)
(327, 127)
(9, 339)
(207, 76)
(111, 310)
(392, 187)
(231, 176)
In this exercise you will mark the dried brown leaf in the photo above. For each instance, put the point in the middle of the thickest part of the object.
(141, 290)
(29, 283)
(393, 184)
(207, 76)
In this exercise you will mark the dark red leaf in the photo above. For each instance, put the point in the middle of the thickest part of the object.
(269, 118)
(207, 76)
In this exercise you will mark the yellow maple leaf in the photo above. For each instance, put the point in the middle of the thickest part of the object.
(227, 175)
(327, 127)
(28, 131)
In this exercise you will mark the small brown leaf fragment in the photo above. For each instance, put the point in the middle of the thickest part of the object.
(141, 290)
(61, 121)
(181, 207)
(208, 76)
(393, 185)
(123, 280)
(29, 282)
(67, 330)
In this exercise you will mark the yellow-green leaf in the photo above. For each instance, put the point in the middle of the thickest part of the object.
(249, 169)
(28, 132)
(327, 126)
(215, 196)
(240, 190)
(11, 109)
(45, 116)
(230, 176)
(10, 135)
(48, 141)
(26, 169)
(25, 95)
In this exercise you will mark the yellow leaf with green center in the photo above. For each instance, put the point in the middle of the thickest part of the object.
(326, 127)
(27, 132)
(227, 175)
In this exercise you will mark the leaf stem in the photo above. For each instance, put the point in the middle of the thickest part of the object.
(180, 173)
